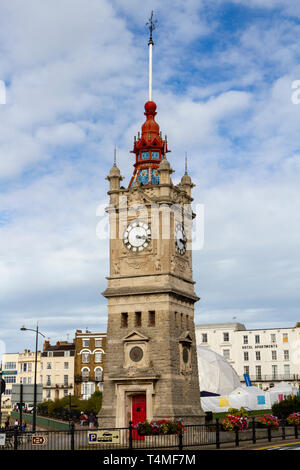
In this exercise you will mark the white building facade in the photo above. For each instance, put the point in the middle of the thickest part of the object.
(57, 370)
(10, 375)
(26, 362)
(268, 356)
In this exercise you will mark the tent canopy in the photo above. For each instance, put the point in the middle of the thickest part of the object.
(216, 375)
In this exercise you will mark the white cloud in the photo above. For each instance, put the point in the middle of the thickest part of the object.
(77, 82)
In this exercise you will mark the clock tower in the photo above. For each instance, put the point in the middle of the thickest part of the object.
(151, 367)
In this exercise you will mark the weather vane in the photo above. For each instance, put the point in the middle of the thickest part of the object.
(151, 25)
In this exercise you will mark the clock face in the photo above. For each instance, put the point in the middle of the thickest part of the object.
(180, 239)
(137, 236)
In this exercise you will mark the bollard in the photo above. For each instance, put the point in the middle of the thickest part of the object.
(253, 431)
(237, 441)
(283, 429)
(217, 434)
(72, 432)
(180, 444)
(130, 434)
(16, 438)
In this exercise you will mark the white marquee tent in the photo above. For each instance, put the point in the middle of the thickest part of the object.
(281, 391)
(216, 375)
(250, 398)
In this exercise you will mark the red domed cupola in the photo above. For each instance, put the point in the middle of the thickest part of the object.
(150, 126)
(150, 148)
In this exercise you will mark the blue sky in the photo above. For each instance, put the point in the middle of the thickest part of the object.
(76, 83)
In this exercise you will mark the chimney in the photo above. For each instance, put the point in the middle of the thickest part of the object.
(46, 345)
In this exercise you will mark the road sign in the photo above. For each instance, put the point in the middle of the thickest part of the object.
(38, 440)
(28, 393)
(2, 386)
(95, 437)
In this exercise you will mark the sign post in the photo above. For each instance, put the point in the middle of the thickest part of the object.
(2, 390)
(21, 404)
(38, 440)
(104, 437)
(27, 393)
(2, 439)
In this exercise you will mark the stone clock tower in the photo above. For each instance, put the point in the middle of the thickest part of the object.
(151, 367)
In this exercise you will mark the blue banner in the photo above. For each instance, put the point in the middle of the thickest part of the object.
(247, 380)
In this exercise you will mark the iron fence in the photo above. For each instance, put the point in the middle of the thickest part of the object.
(209, 435)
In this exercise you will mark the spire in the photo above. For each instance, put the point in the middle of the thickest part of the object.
(186, 181)
(151, 25)
(115, 156)
(149, 147)
(114, 176)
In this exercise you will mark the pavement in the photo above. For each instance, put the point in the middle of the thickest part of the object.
(262, 444)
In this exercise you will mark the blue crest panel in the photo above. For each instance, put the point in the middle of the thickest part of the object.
(145, 155)
(144, 176)
(155, 155)
(155, 176)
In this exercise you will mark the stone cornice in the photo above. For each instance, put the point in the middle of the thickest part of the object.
(142, 290)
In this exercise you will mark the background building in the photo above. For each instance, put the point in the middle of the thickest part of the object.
(89, 362)
(26, 362)
(268, 356)
(10, 375)
(57, 370)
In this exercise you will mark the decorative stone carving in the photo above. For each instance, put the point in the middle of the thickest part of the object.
(157, 265)
(116, 267)
(135, 264)
(172, 264)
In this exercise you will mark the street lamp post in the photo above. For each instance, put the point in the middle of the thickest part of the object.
(37, 332)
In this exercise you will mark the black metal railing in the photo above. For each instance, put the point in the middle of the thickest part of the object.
(202, 435)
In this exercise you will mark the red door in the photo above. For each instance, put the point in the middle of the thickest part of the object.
(138, 413)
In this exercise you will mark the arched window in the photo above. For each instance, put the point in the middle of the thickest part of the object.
(98, 374)
(98, 355)
(85, 357)
(85, 372)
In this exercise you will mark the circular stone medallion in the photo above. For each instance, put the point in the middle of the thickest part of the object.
(136, 354)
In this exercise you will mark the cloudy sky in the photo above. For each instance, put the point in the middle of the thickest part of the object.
(75, 73)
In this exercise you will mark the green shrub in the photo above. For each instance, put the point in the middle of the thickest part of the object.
(238, 412)
(60, 409)
(286, 407)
